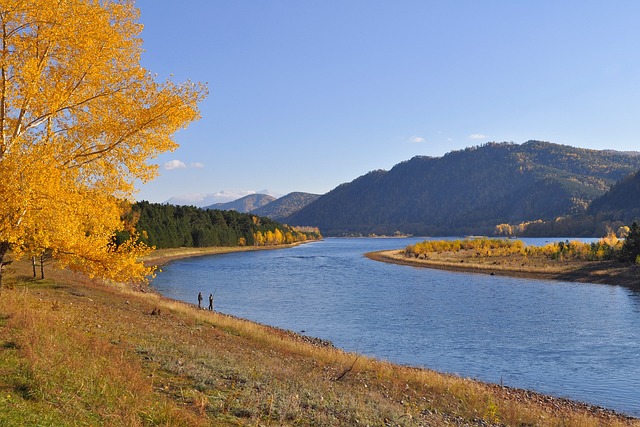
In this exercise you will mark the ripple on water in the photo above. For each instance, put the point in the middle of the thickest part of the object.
(571, 340)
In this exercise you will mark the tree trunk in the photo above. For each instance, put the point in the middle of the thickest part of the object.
(4, 247)
(42, 266)
(33, 264)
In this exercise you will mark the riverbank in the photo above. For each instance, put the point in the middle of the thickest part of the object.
(75, 351)
(605, 272)
(160, 257)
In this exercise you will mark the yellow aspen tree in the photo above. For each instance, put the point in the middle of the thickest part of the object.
(258, 238)
(288, 238)
(278, 237)
(623, 231)
(269, 238)
(79, 121)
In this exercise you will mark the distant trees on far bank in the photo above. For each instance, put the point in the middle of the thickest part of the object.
(169, 226)
(577, 226)
(608, 248)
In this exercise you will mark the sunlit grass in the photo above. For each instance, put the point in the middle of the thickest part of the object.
(57, 370)
(74, 352)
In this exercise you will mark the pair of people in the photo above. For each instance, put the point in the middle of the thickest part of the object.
(210, 301)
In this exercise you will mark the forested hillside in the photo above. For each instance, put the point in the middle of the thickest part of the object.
(169, 226)
(622, 202)
(618, 207)
(469, 191)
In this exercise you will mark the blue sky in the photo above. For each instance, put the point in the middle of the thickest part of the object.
(306, 95)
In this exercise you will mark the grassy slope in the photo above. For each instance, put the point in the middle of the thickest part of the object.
(78, 352)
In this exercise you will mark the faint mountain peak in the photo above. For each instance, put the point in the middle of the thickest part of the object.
(244, 204)
(206, 199)
(286, 205)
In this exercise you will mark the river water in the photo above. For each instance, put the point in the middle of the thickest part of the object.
(575, 340)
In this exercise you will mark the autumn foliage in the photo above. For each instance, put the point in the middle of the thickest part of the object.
(79, 119)
(609, 247)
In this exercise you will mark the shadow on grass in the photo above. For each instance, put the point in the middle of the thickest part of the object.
(606, 272)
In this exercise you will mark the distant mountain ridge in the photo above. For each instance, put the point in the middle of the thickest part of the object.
(469, 191)
(244, 204)
(208, 199)
(286, 205)
(268, 206)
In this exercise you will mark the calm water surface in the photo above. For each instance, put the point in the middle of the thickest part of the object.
(580, 341)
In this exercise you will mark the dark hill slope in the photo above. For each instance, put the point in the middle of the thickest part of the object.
(286, 205)
(621, 202)
(469, 191)
(244, 204)
(617, 207)
(340, 218)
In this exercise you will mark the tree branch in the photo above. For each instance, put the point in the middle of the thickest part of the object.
(346, 371)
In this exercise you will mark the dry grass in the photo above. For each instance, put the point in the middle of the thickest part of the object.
(77, 352)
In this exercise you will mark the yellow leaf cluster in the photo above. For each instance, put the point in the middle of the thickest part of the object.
(79, 121)
(482, 246)
(277, 237)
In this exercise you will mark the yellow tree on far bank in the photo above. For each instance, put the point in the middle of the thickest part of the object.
(79, 120)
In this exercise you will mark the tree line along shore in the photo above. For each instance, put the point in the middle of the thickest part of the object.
(609, 261)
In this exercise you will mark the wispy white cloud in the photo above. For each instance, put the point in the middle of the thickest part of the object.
(197, 165)
(174, 164)
(417, 139)
(477, 136)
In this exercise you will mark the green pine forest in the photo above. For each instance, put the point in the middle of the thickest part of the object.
(169, 226)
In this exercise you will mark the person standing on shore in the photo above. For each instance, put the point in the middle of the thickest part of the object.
(199, 299)
(211, 302)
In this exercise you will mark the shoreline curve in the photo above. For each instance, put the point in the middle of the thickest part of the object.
(602, 272)
(165, 256)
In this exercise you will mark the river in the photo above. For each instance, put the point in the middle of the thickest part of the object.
(574, 340)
